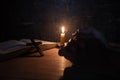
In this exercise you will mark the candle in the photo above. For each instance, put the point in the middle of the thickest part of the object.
(62, 36)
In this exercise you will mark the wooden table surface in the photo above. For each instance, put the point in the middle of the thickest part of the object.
(52, 67)
(49, 67)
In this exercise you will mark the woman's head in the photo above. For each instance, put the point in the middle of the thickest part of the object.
(85, 21)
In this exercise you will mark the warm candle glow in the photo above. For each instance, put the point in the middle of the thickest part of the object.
(63, 29)
(62, 36)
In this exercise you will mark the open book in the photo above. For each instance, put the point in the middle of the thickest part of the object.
(44, 46)
(17, 47)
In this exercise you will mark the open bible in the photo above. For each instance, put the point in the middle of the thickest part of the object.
(13, 48)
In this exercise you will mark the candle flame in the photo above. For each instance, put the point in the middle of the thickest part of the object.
(63, 29)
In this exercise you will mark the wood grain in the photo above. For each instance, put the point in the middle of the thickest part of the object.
(48, 67)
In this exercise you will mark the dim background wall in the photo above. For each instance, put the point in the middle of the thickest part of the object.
(42, 19)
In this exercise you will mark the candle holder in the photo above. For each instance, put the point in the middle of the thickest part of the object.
(59, 45)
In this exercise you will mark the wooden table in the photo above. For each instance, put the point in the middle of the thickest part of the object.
(52, 67)
(49, 67)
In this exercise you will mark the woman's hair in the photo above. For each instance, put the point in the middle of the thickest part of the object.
(85, 21)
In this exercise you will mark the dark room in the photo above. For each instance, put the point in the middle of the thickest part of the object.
(60, 40)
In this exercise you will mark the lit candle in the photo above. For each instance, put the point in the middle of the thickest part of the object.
(62, 36)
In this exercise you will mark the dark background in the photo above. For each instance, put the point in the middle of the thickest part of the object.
(42, 19)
